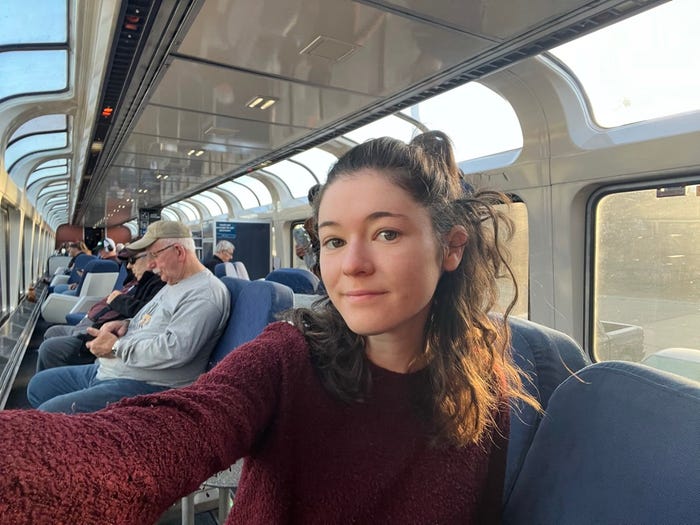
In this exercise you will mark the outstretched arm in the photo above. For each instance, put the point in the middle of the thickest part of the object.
(129, 462)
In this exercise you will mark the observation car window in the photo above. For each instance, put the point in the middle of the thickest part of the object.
(646, 282)
(242, 193)
(640, 68)
(479, 121)
(318, 161)
(390, 126)
(297, 178)
(262, 194)
(22, 24)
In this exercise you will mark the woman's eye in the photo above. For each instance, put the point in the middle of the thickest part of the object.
(333, 243)
(389, 235)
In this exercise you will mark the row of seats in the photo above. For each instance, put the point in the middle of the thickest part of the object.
(97, 279)
(619, 442)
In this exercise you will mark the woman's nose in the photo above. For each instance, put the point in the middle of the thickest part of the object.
(357, 258)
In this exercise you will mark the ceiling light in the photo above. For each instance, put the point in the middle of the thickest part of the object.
(191, 152)
(254, 102)
(199, 153)
(259, 102)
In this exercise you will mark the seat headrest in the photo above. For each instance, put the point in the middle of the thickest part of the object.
(299, 280)
(619, 444)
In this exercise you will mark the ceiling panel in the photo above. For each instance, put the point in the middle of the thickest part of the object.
(331, 65)
(378, 52)
(494, 19)
(222, 91)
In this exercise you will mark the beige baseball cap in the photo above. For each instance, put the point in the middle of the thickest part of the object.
(160, 230)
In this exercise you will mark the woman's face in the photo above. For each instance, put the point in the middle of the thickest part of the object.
(380, 259)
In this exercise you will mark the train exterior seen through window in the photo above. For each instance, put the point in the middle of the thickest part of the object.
(223, 115)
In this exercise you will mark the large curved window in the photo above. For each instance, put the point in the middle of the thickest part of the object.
(391, 126)
(642, 68)
(47, 132)
(479, 121)
(214, 204)
(297, 178)
(318, 161)
(42, 21)
(258, 188)
(243, 194)
(49, 72)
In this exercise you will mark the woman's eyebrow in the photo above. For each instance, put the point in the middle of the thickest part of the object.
(371, 217)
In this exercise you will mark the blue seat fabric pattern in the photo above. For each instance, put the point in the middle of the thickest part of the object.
(547, 357)
(299, 280)
(93, 266)
(254, 305)
(620, 444)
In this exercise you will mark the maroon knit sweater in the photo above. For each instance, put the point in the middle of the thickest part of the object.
(311, 459)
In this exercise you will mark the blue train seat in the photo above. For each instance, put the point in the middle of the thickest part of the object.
(257, 305)
(60, 283)
(231, 269)
(547, 357)
(97, 280)
(620, 444)
(300, 280)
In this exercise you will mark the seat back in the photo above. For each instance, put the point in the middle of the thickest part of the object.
(223, 347)
(547, 357)
(75, 274)
(55, 262)
(620, 444)
(98, 279)
(121, 278)
(241, 270)
(257, 305)
(299, 280)
(225, 269)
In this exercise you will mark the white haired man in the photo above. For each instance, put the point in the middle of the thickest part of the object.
(166, 345)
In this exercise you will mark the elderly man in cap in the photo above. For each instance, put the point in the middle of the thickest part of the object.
(166, 345)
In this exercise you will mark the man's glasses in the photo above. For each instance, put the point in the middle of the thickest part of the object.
(132, 260)
(154, 255)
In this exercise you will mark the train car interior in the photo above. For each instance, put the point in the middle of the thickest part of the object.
(223, 114)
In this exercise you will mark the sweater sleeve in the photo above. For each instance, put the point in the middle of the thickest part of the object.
(127, 463)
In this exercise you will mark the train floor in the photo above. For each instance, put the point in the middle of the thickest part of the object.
(205, 502)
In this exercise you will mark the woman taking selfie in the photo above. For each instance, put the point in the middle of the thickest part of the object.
(389, 403)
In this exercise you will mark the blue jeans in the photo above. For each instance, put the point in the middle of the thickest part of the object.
(75, 389)
(62, 351)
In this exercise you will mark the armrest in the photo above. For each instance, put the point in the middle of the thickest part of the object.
(85, 303)
(59, 279)
(56, 306)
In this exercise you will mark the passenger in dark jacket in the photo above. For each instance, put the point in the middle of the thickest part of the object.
(223, 252)
(65, 345)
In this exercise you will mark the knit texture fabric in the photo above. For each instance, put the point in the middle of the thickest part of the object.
(310, 459)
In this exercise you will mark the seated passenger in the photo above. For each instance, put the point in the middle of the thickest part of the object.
(306, 238)
(388, 405)
(108, 250)
(166, 345)
(65, 344)
(223, 252)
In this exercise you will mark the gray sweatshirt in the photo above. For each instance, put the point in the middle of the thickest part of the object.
(169, 341)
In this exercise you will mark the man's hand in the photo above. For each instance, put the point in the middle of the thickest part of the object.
(110, 297)
(105, 337)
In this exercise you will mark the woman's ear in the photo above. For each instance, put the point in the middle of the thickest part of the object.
(456, 240)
